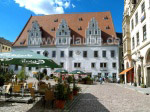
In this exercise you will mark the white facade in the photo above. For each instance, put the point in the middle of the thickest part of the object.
(77, 57)
(138, 32)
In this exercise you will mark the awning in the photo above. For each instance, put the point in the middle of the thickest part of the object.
(125, 71)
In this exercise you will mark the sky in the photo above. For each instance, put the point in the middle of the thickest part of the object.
(15, 13)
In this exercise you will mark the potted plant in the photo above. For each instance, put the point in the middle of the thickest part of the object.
(2, 80)
(61, 95)
(143, 86)
(47, 78)
(39, 76)
(135, 84)
(69, 93)
(22, 75)
(76, 89)
(69, 79)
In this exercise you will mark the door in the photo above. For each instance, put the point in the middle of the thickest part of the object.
(148, 77)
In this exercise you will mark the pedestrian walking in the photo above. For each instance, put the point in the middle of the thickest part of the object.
(101, 80)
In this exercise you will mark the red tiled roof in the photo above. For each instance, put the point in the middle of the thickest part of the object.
(47, 23)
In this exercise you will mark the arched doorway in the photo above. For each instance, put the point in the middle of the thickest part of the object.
(148, 68)
(45, 53)
(139, 75)
(45, 71)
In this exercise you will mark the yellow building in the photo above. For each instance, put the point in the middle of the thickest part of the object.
(5, 45)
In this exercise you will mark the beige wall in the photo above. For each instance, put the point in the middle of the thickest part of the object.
(5, 48)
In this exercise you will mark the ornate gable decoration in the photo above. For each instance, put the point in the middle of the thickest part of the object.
(93, 33)
(63, 29)
(93, 28)
(34, 34)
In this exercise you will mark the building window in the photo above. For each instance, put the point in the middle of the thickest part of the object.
(62, 64)
(80, 28)
(136, 18)
(59, 33)
(53, 54)
(143, 7)
(105, 18)
(103, 65)
(92, 65)
(104, 54)
(3, 47)
(38, 52)
(144, 32)
(62, 54)
(137, 38)
(30, 68)
(45, 53)
(59, 40)
(16, 67)
(70, 54)
(95, 54)
(112, 53)
(93, 25)
(36, 34)
(114, 75)
(114, 65)
(56, 20)
(36, 68)
(106, 75)
(8, 49)
(85, 54)
(133, 43)
(80, 19)
(96, 32)
(90, 32)
(107, 27)
(132, 24)
(77, 65)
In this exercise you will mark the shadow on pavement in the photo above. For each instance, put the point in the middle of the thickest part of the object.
(88, 103)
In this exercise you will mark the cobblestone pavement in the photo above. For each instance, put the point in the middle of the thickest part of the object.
(111, 98)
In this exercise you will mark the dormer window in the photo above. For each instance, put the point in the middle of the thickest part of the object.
(80, 28)
(56, 20)
(53, 29)
(62, 26)
(21, 43)
(105, 18)
(107, 27)
(80, 19)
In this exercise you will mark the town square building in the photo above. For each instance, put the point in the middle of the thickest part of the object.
(136, 41)
(85, 41)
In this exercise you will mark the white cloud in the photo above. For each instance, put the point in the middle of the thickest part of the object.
(73, 6)
(44, 6)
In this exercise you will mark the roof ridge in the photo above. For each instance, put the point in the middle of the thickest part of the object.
(73, 13)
